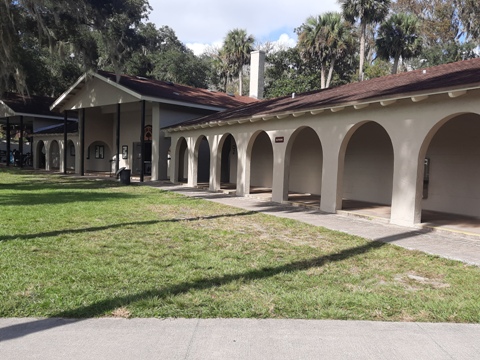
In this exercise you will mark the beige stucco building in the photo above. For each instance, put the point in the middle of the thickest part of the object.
(409, 142)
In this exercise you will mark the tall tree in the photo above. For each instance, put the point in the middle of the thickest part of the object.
(325, 38)
(84, 28)
(398, 38)
(237, 47)
(366, 12)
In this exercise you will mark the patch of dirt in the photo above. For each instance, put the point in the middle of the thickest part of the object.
(415, 282)
(121, 313)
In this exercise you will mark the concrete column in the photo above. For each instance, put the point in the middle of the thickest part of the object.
(332, 176)
(407, 186)
(47, 154)
(142, 141)
(243, 165)
(215, 163)
(20, 144)
(174, 161)
(81, 138)
(192, 162)
(35, 155)
(117, 139)
(156, 142)
(78, 159)
(279, 172)
(63, 161)
(62, 148)
(9, 142)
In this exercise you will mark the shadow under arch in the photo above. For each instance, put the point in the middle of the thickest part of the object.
(40, 155)
(366, 161)
(259, 163)
(226, 162)
(181, 161)
(202, 159)
(303, 167)
(449, 171)
(54, 155)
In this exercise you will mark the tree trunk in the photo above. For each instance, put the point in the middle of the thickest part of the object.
(322, 77)
(330, 74)
(240, 82)
(362, 51)
(395, 64)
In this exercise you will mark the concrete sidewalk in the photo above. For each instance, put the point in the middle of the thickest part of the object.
(232, 339)
(465, 248)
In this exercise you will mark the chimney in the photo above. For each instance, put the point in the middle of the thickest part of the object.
(257, 70)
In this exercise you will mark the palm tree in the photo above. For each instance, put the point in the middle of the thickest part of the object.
(324, 39)
(398, 37)
(237, 47)
(367, 12)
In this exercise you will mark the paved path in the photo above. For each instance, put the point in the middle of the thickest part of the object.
(449, 245)
(230, 339)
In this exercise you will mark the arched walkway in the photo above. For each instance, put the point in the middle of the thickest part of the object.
(451, 186)
(260, 158)
(202, 156)
(304, 161)
(368, 171)
(54, 155)
(182, 161)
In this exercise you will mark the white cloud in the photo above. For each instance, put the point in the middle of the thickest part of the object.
(199, 23)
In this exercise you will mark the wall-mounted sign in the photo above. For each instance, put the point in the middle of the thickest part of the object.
(279, 139)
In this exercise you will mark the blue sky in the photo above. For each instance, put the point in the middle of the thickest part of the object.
(203, 23)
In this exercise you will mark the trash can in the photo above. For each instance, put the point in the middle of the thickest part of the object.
(124, 175)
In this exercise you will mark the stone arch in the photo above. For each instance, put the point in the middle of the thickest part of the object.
(181, 156)
(202, 159)
(260, 162)
(366, 159)
(303, 164)
(40, 155)
(450, 175)
(54, 155)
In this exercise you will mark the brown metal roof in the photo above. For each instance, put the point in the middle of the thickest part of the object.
(439, 78)
(31, 105)
(178, 93)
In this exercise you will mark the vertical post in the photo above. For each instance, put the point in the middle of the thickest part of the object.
(117, 158)
(82, 144)
(20, 144)
(8, 141)
(65, 120)
(142, 143)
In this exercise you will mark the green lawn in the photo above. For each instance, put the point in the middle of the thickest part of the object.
(72, 247)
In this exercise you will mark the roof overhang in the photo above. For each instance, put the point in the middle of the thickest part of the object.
(387, 101)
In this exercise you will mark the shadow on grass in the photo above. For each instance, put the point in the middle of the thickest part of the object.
(61, 197)
(108, 305)
(112, 226)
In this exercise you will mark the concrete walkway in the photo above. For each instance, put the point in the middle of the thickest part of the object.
(230, 339)
(451, 245)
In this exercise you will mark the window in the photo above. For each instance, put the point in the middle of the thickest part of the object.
(99, 152)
